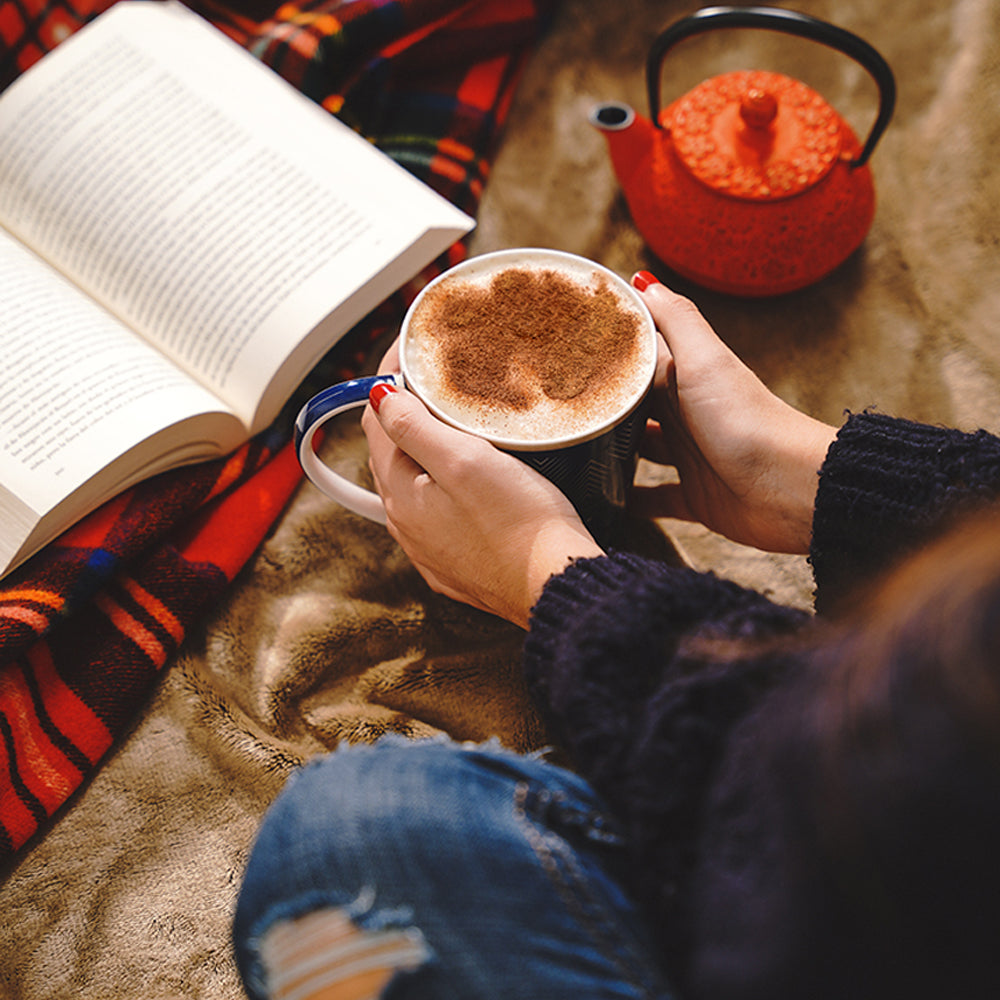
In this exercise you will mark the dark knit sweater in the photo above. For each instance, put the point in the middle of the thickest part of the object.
(620, 658)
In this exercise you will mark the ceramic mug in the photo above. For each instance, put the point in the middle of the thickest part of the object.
(594, 467)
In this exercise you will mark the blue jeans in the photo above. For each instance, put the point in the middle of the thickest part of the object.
(503, 864)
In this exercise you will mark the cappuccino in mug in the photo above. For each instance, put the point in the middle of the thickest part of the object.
(528, 349)
(547, 355)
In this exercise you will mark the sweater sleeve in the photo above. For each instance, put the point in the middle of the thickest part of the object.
(609, 632)
(619, 657)
(888, 484)
(623, 659)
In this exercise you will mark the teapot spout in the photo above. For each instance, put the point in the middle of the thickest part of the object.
(630, 137)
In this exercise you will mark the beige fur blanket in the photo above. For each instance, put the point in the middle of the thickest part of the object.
(331, 635)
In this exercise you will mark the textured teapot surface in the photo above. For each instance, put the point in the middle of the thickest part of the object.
(755, 134)
(757, 208)
(750, 183)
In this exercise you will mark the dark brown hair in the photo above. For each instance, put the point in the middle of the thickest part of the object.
(851, 840)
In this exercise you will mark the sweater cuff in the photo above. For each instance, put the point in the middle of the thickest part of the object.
(626, 615)
(572, 596)
(886, 485)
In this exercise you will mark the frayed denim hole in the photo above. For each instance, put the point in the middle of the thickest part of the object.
(361, 911)
(546, 818)
(555, 811)
(406, 983)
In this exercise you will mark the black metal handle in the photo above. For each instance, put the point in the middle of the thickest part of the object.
(792, 23)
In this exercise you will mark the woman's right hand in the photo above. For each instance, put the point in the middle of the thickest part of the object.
(748, 462)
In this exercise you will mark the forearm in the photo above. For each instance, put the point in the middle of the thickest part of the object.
(555, 546)
(792, 455)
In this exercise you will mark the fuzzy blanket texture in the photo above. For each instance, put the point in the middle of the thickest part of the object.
(328, 634)
(87, 624)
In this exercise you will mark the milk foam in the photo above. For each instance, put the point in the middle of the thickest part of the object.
(616, 390)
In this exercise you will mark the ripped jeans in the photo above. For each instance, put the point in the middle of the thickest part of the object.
(498, 867)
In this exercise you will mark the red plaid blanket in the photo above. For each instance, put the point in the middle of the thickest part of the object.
(87, 624)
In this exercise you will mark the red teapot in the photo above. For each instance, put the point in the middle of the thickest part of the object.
(750, 184)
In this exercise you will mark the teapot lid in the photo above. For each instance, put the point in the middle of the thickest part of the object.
(755, 134)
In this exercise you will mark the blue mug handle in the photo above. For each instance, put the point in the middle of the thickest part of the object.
(322, 407)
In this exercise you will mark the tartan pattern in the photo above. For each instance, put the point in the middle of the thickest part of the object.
(87, 624)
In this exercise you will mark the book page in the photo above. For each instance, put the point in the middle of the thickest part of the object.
(201, 198)
(78, 390)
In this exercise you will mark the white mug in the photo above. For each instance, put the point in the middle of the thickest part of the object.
(594, 469)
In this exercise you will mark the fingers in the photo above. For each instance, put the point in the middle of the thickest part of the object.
(665, 500)
(689, 337)
(413, 429)
(663, 443)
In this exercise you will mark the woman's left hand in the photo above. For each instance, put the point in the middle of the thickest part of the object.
(478, 524)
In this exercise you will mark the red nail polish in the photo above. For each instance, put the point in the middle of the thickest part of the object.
(378, 392)
(643, 279)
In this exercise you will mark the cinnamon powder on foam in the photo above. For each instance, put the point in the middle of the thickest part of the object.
(528, 331)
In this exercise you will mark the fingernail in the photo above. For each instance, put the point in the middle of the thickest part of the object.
(378, 392)
(643, 279)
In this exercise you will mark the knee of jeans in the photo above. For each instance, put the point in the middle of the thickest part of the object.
(362, 804)
(402, 780)
(302, 952)
(363, 784)
(376, 830)
(345, 823)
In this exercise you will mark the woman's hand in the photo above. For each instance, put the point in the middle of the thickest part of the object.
(748, 462)
(478, 524)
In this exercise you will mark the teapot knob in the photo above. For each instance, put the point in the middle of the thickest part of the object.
(758, 108)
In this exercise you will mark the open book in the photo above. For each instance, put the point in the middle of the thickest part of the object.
(182, 237)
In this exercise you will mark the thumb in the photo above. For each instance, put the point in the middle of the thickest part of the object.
(690, 338)
(414, 430)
